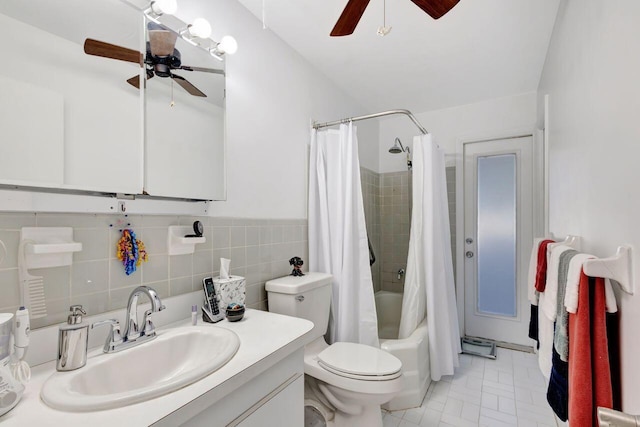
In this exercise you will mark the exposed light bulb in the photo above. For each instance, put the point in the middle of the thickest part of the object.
(228, 45)
(200, 28)
(165, 6)
(157, 8)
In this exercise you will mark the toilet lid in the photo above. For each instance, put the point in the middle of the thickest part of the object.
(359, 361)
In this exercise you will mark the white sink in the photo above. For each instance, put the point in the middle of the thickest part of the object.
(175, 359)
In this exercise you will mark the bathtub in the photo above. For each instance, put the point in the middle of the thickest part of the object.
(412, 351)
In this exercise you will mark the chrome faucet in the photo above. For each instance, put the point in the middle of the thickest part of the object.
(133, 335)
(132, 330)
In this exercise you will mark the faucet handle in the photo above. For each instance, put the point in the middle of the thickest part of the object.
(113, 338)
(149, 328)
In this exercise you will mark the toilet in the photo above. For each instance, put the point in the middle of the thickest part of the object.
(345, 383)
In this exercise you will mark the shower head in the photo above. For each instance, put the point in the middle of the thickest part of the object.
(397, 147)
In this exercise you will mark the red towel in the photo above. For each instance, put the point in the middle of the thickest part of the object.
(541, 271)
(589, 371)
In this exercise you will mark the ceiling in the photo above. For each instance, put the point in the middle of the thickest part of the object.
(481, 49)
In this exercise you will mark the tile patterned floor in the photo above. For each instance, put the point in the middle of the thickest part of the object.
(509, 391)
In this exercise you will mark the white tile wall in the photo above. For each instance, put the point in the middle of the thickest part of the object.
(259, 249)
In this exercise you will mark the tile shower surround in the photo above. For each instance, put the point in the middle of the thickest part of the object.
(387, 206)
(259, 250)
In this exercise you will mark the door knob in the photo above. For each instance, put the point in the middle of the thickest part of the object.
(469, 254)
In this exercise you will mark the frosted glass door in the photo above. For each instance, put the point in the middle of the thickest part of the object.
(498, 233)
(496, 230)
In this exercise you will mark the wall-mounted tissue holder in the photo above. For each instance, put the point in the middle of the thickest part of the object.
(618, 267)
(48, 246)
(178, 244)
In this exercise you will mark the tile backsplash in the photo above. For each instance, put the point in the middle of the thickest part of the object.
(259, 250)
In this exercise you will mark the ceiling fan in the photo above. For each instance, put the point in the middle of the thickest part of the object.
(161, 59)
(355, 8)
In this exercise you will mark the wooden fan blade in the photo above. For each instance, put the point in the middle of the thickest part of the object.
(349, 18)
(162, 42)
(202, 69)
(134, 81)
(108, 50)
(436, 8)
(186, 85)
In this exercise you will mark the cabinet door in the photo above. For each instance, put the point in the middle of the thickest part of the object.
(69, 120)
(184, 143)
(285, 409)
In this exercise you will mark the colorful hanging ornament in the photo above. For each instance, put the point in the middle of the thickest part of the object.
(131, 251)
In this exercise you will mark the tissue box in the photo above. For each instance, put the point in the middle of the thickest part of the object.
(232, 289)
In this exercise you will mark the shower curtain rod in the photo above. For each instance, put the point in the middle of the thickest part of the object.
(372, 116)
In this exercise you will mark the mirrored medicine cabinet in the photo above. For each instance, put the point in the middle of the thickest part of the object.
(71, 121)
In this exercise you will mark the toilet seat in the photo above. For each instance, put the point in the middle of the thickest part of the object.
(360, 362)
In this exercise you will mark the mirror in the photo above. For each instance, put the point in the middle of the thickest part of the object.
(71, 121)
(184, 127)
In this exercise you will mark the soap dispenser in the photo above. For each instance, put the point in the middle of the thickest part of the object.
(73, 339)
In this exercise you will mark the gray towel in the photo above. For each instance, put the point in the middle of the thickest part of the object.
(561, 336)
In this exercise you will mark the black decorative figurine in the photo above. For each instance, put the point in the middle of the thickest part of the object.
(297, 263)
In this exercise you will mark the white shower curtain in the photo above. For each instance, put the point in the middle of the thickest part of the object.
(338, 236)
(429, 285)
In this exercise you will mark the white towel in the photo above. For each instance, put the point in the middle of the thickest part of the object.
(549, 305)
(573, 282)
(545, 340)
(533, 268)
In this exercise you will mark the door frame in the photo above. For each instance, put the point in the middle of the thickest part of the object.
(537, 213)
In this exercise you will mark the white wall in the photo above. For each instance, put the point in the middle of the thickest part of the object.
(272, 94)
(489, 117)
(591, 75)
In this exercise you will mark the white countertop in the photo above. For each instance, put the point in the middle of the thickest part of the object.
(265, 339)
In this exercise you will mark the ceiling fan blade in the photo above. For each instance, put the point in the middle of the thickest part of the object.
(134, 81)
(202, 69)
(108, 50)
(186, 85)
(349, 18)
(436, 8)
(162, 42)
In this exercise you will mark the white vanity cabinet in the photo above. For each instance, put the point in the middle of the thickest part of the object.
(262, 385)
(273, 399)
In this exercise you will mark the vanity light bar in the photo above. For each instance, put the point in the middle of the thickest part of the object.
(157, 8)
(196, 33)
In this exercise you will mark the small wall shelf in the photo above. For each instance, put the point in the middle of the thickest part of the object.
(178, 244)
(48, 246)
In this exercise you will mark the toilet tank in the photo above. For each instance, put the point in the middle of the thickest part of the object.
(307, 297)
